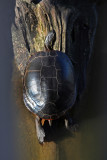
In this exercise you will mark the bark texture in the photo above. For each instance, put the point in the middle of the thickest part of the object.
(74, 23)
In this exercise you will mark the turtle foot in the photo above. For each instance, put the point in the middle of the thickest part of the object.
(73, 127)
(70, 124)
(39, 130)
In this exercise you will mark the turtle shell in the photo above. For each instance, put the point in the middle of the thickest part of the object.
(49, 86)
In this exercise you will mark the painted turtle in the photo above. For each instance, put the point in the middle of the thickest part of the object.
(49, 88)
(75, 28)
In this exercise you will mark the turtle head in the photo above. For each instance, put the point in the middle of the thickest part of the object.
(50, 40)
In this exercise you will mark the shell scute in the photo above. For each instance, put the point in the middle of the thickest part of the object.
(36, 64)
(51, 96)
(40, 54)
(50, 108)
(59, 76)
(30, 78)
(48, 72)
(51, 89)
(49, 83)
(50, 61)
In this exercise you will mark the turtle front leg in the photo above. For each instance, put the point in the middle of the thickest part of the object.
(39, 130)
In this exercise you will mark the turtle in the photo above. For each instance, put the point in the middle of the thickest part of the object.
(75, 27)
(49, 88)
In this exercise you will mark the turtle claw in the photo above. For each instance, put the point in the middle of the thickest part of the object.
(66, 123)
(39, 130)
(50, 122)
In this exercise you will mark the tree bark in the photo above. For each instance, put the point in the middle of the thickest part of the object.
(35, 19)
(75, 24)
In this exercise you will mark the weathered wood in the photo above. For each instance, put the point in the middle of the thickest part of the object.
(75, 25)
(34, 21)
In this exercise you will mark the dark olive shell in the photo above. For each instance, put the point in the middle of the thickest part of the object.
(49, 86)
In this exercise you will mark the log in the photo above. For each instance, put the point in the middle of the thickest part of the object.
(75, 25)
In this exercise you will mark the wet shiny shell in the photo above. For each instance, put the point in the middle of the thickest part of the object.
(48, 86)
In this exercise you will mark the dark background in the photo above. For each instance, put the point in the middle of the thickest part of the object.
(97, 85)
(7, 147)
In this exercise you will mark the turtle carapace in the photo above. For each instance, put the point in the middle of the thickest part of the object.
(49, 89)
